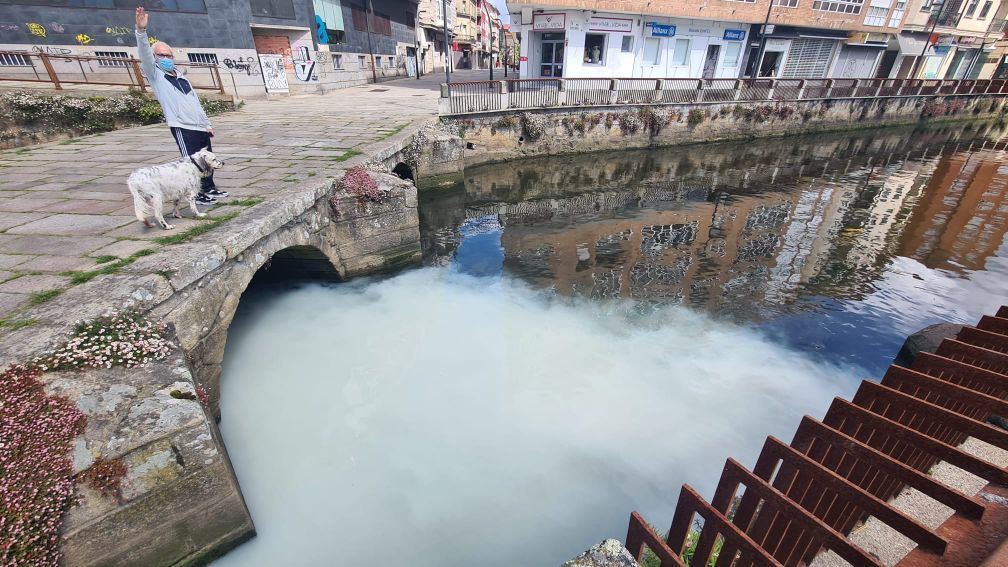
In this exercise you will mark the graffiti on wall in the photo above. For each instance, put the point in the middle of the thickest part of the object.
(57, 28)
(274, 73)
(247, 64)
(118, 30)
(84, 39)
(36, 29)
(50, 50)
(10, 27)
(304, 65)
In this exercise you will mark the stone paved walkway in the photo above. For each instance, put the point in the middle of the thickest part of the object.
(64, 206)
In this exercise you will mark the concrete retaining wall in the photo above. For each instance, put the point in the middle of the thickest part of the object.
(509, 135)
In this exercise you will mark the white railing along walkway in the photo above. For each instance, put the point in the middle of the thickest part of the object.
(527, 94)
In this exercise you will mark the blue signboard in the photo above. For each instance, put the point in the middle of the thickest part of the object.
(661, 30)
(734, 35)
(942, 49)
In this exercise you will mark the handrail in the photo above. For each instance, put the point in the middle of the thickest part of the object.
(36, 67)
(473, 97)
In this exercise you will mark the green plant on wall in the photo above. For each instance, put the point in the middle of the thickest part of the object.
(695, 117)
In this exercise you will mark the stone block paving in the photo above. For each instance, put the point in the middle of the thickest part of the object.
(65, 205)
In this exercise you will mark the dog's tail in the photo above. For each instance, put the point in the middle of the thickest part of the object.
(141, 202)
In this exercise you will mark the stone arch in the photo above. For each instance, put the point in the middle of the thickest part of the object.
(203, 323)
(302, 262)
(403, 171)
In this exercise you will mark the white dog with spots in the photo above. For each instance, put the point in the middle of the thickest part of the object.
(174, 182)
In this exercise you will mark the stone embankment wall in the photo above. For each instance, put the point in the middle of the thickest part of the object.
(180, 502)
(502, 136)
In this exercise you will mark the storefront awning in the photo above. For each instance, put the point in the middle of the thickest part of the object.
(911, 46)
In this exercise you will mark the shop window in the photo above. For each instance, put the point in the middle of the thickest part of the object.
(985, 10)
(627, 46)
(652, 51)
(731, 54)
(594, 52)
(680, 56)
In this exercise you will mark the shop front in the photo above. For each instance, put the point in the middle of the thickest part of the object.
(859, 56)
(791, 52)
(575, 43)
(691, 48)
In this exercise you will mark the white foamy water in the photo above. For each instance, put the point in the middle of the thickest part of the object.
(433, 419)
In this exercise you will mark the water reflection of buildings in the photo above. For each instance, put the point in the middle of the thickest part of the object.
(743, 225)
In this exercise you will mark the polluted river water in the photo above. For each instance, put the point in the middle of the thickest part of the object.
(591, 332)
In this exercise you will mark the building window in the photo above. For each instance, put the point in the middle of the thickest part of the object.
(786, 3)
(875, 17)
(731, 54)
(337, 60)
(360, 59)
(897, 16)
(594, 51)
(652, 51)
(14, 60)
(985, 10)
(840, 6)
(202, 58)
(971, 8)
(273, 8)
(680, 56)
(748, 1)
(112, 58)
(627, 46)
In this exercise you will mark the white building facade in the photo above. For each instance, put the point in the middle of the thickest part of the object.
(582, 43)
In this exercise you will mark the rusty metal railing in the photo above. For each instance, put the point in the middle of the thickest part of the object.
(526, 94)
(59, 70)
(806, 496)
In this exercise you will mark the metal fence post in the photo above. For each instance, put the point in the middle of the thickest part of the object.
(135, 65)
(505, 98)
(49, 69)
(801, 89)
(829, 88)
(218, 81)
(700, 90)
(561, 92)
(658, 90)
(613, 92)
(770, 91)
(738, 89)
(878, 91)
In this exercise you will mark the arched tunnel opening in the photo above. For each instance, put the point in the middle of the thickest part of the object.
(296, 263)
(403, 171)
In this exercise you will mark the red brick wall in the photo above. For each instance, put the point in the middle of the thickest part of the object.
(275, 44)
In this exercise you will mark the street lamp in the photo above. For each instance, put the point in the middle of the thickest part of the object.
(489, 42)
(762, 45)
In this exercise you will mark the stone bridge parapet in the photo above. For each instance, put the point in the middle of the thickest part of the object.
(180, 502)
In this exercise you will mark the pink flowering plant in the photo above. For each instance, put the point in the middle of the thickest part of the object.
(358, 182)
(37, 431)
(105, 476)
(118, 339)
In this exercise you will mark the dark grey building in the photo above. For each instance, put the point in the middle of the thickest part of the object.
(330, 34)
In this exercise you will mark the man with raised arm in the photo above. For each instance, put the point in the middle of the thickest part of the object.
(182, 110)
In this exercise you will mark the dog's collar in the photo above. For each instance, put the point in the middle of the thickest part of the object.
(201, 170)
